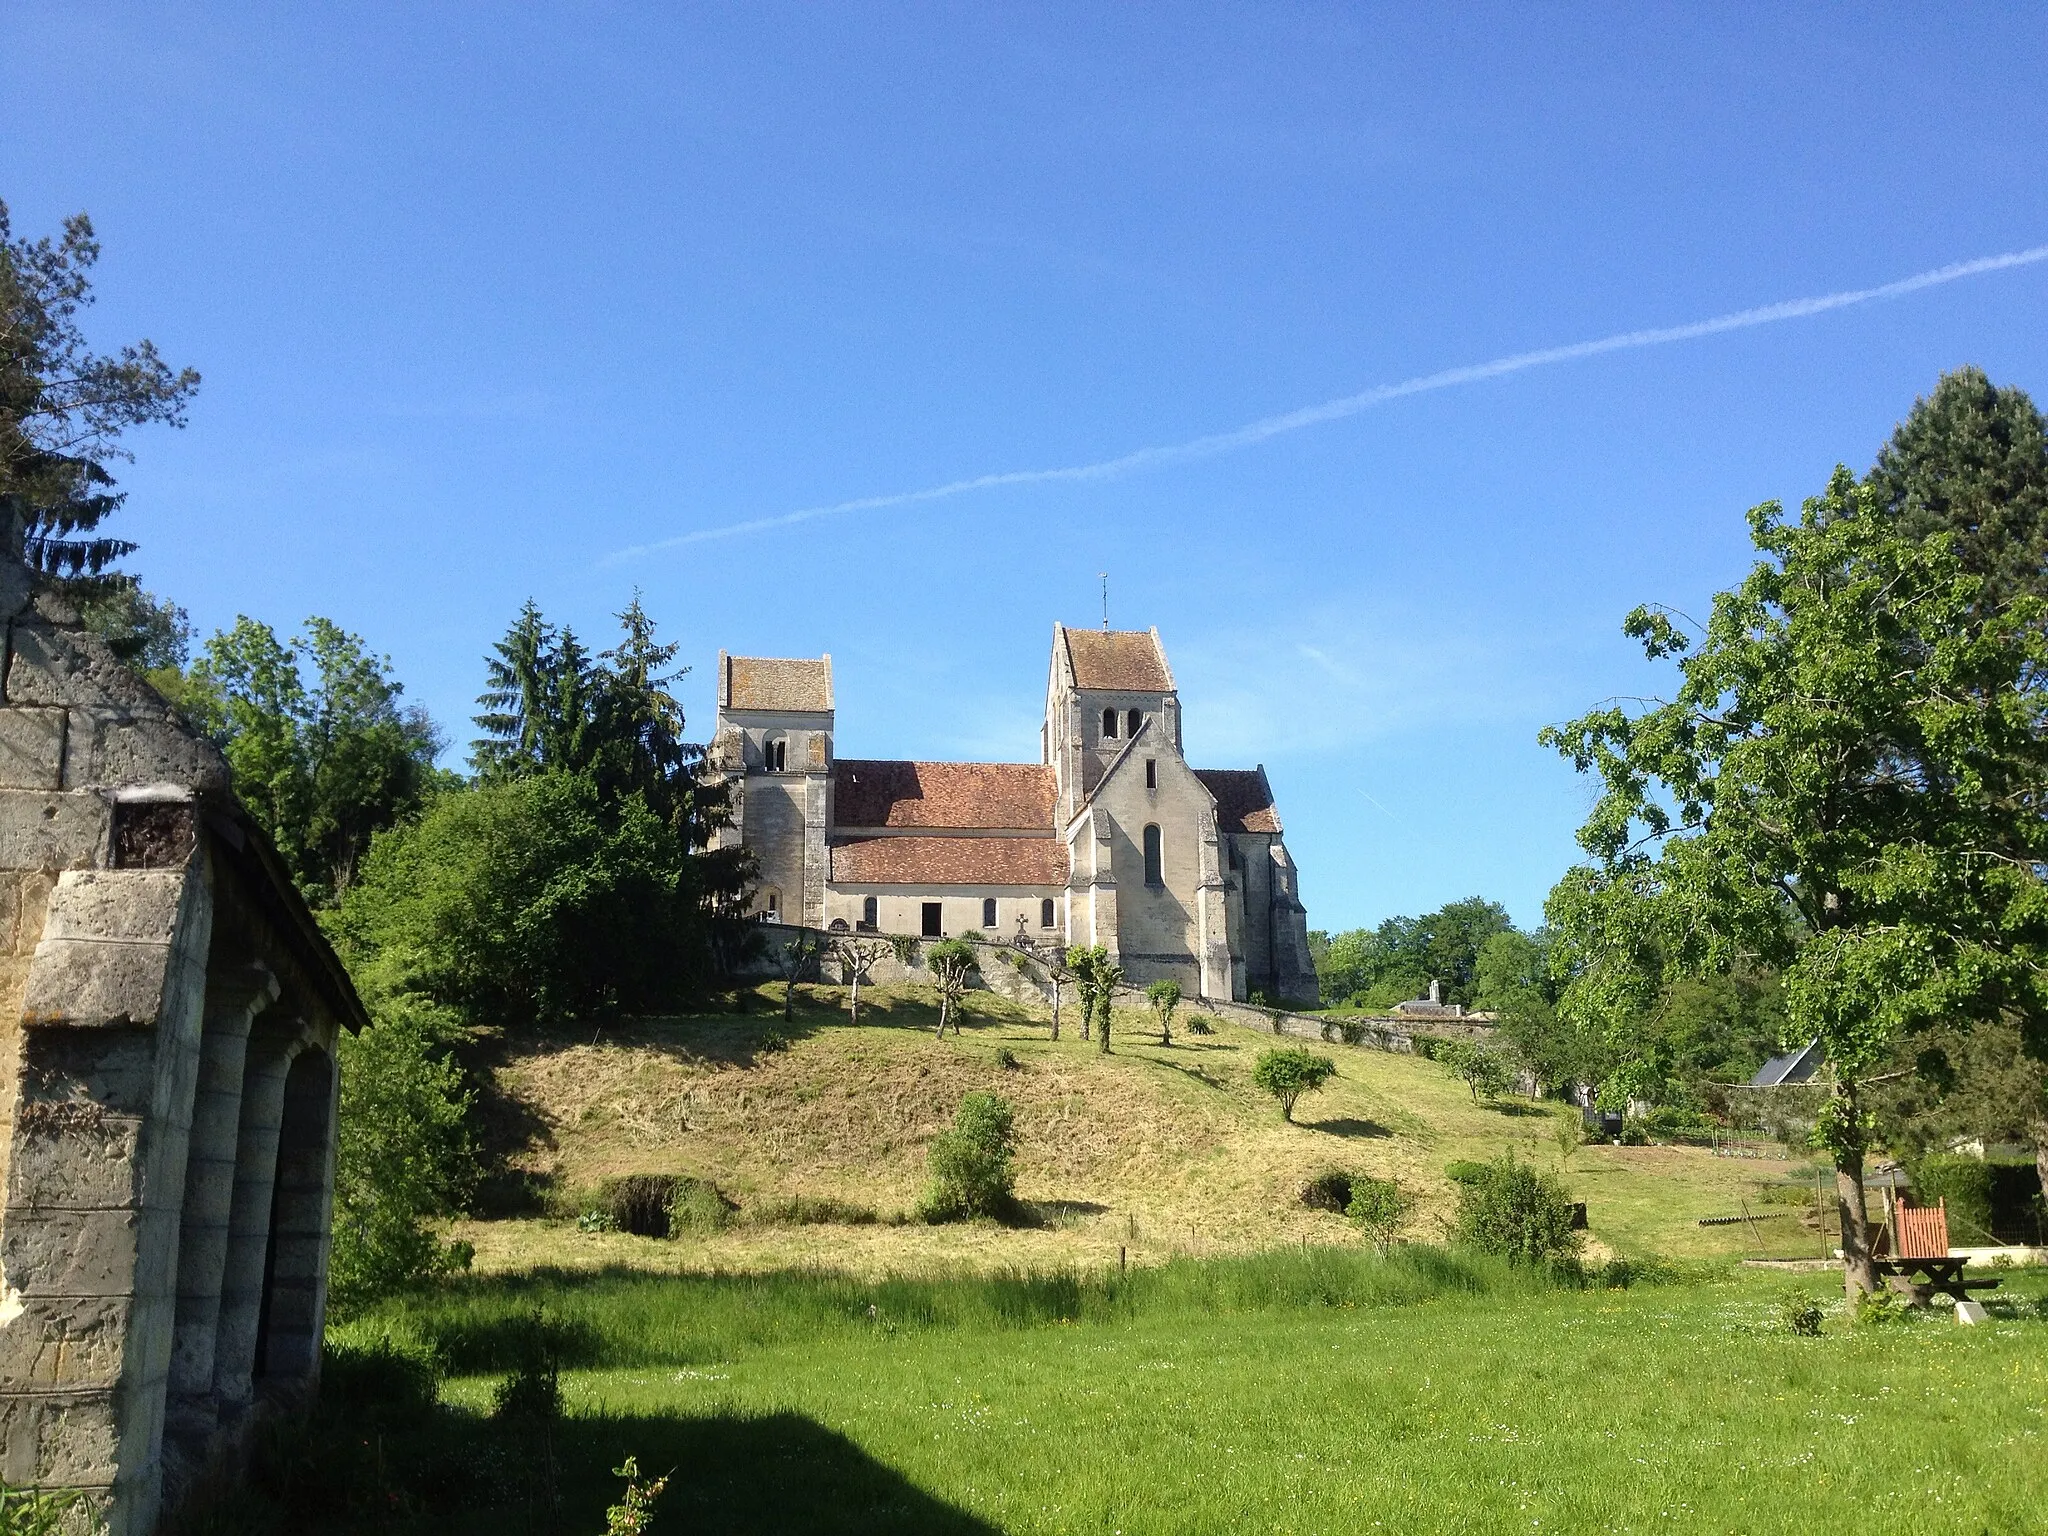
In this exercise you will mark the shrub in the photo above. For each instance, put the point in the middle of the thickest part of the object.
(1963, 1185)
(970, 1162)
(1289, 1072)
(1329, 1190)
(812, 1211)
(403, 1154)
(532, 1394)
(1380, 1207)
(1801, 1314)
(1007, 1059)
(697, 1205)
(1874, 1308)
(1464, 1171)
(1523, 1216)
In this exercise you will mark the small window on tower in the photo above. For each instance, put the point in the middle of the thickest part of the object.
(1109, 724)
(1154, 871)
(1045, 913)
(778, 755)
(1132, 721)
(1151, 773)
(774, 901)
(869, 912)
(988, 911)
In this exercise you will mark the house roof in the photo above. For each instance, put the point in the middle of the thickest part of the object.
(1244, 800)
(1118, 660)
(797, 683)
(1793, 1067)
(883, 792)
(915, 860)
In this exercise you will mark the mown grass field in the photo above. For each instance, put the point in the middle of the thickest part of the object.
(1316, 1390)
(1155, 1150)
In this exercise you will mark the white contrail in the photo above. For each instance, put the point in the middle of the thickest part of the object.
(1350, 405)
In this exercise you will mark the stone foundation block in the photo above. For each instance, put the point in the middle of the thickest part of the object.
(53, 831)
(75, 1155)
(65, 1341)
(32, 748)
(59, 1440)
(71, 1253)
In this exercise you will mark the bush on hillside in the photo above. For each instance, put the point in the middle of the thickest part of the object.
(1523, 1216)
(403, 1154)
(698, 1205)
(1380, 1208)
(1290, 1072)
(661, 1205)
(970, 1162)
(1464, 1171)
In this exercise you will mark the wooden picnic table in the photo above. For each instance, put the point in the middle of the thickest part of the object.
(1935, 1275)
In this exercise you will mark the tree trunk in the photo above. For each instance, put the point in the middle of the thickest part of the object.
(789, 999)
(1859, 1268)
(2041, 1162)
(1055, 1007)
(1102, 1028)
(856, 997)
(942, 1013)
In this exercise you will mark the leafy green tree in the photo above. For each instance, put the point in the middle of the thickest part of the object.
(1164, 996)
(970, 1162)
(1485, 1072)
(1512, 1210)
(1287, 1072)
(64, 407)
(1846, 789)
(1108, 977)
(530, 901)
(857, 959)
(953, 964)
(1088, 963)
(1971, 461)
(1380, 1208)
(403, 1155)
(324, 757)
(151, 633)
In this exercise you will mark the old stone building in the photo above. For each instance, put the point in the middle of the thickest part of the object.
(168, 1019)
(1110, 838)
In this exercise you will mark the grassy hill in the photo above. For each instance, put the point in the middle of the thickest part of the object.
(1154, 1150)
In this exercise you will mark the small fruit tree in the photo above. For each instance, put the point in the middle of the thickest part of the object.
(1290, 1072)
(1164, 996)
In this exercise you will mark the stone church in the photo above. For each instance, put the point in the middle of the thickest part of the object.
(1110, 838)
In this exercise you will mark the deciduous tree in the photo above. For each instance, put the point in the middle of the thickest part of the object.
(953, 963)
(1164, 997)
(1288, 1072)
(1847, 787)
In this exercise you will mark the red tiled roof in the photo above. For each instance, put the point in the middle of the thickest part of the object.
(881, 792)
(950, 861)
(1119, 660)
(1244, 801)
(802, 683)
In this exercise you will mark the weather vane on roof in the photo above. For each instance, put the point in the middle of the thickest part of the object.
(1105, 602)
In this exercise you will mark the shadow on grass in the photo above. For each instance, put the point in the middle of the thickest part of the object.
(1515, 1111)
(1348, 1125)
(1050, 1214)
(776, 1473)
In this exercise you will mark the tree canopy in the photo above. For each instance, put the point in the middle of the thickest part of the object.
(1379, 967)
(1846, 789)
(64, 406)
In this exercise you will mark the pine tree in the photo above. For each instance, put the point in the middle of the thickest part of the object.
(63, 407)
(517, 699)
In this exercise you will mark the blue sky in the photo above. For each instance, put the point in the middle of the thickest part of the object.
(486, 294)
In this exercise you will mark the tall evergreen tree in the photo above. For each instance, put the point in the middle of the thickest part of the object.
(1972, 460)
(63, 406)
(518, 700)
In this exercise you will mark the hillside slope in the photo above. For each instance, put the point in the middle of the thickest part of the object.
(1150, 1149)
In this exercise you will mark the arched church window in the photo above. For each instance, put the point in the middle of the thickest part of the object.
(870, 909)
(1109, 724)
(778, 755)
(1132, 721)
(988, 911)
(1045, 913)
(1154, 871)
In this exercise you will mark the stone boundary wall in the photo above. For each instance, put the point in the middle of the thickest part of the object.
(1027, 983)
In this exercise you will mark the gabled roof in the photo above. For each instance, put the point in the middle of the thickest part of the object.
(914, 860)
(1118, 660)
(1793, 1067)
(1244, 800)
(883, 792)
(800, 684)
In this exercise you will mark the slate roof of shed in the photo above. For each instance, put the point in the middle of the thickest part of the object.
(1118, 660)
(1244, 800)
(916, 860)
(885, 792)
(799, 683)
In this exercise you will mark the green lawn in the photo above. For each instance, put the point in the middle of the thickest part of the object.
(1315, 1390)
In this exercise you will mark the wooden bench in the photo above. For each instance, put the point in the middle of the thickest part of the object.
(1922, 1263)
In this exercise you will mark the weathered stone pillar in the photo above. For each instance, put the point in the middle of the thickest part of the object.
(295, 1300)
(271, 1048)
(234, 996)
(89, 1245)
